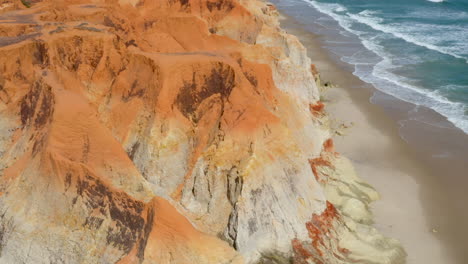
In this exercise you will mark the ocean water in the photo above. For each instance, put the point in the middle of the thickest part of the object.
(415, 50)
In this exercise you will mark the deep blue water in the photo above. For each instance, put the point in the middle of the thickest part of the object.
(415, 50)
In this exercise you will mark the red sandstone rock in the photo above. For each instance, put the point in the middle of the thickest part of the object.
(328, 145)
(314, 70)
(317, 109)
(140, 131)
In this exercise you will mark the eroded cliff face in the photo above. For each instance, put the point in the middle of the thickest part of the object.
(170, 131)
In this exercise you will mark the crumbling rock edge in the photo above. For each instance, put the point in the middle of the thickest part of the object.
(170, 131)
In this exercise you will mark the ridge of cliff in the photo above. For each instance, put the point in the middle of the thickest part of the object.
(170, 131)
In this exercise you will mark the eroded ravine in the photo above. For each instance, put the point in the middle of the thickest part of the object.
(170, 132)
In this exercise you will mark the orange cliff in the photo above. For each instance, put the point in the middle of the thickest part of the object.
(138, 131)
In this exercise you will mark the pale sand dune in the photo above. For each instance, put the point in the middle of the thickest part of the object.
(383, 159)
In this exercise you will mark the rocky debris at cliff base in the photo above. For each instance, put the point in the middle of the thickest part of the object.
(138, 131)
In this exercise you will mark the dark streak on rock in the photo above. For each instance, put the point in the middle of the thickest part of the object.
(40, 93)
(68, 177)
(234, 189)
(252, 226)
(29, 103)
(220, 81)
(219, 5)
(232, 228)
(4, 96)
(2, 235)
(254, 194)
(252, 79)
(184, 4)
(109, 23)
(6, 229)
(93, 222)
(135, 91)
(38, 144)
(46, 109)
(86, 149)
(125, 212)
(234, 185)
(41, 56)
(146, 233)
(131, 42)
(133, 150)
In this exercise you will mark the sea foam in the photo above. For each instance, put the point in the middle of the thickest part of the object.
(381, 75)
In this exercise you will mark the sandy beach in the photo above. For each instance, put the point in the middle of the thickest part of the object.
(418, 206)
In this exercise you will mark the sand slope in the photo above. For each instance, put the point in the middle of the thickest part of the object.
(172, 132)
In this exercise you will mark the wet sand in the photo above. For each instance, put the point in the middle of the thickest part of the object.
(419, 169)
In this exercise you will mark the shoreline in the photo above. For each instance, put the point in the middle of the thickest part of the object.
(416, 207)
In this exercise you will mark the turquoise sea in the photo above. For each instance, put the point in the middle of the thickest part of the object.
(415, 50)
